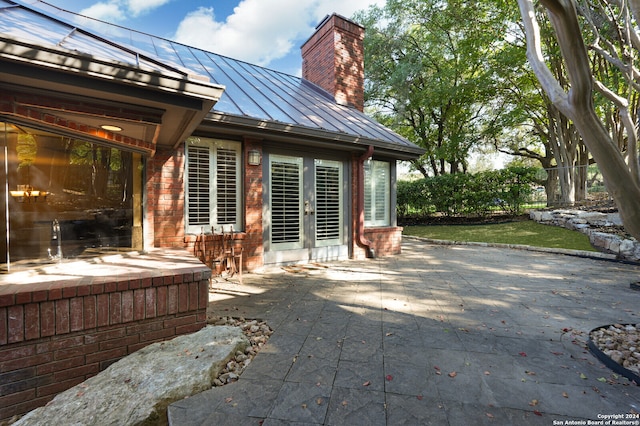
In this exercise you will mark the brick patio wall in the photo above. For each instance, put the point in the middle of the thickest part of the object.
(165, 197)
(385, 241)
(56, 335)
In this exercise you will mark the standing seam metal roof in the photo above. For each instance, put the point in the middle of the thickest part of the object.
(251, 91)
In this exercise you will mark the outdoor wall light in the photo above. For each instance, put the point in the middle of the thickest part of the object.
(254, 157)
(111, 128)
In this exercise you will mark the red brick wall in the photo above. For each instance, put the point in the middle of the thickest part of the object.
(253, 246)
(333, 58)
(54, 336)
(385, 240)
(165, 197)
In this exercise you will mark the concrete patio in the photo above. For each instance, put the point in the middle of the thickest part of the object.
(442, 334)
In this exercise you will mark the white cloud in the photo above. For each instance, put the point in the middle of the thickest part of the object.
(343, 7)
(105, 11)
(120, 10)
(261, 31)
(258, 31)
(138, 7)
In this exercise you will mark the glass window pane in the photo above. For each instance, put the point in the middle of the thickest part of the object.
(67, 198)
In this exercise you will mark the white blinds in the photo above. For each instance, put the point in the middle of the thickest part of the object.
(198, 188)
(328, 201)
(377, 189)
(286, 199)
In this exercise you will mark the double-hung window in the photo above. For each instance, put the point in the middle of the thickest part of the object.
(213, 185)
(377, 192)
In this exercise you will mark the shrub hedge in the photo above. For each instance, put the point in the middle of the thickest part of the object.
(479, 194)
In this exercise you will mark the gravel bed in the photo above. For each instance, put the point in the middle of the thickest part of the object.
(621, 343)
(258, 333)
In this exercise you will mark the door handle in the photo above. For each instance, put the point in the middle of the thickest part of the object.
(307, 208)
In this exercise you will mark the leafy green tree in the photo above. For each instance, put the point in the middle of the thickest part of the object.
(430, 69)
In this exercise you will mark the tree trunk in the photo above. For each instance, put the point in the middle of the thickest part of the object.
(551, 186)
(582, 165)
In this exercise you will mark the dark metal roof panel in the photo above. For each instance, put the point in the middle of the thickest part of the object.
(250, 91)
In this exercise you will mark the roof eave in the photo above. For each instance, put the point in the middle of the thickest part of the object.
(185, 99)
(197, 86)
(264, 129)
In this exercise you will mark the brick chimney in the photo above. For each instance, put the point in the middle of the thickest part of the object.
(333, 58)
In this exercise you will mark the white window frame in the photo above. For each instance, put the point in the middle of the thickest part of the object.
(377, 193)
(211, 168)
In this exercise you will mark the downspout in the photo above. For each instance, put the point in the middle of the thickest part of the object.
(361, 240)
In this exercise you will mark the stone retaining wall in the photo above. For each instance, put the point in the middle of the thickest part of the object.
(585, 222)
(62, 324)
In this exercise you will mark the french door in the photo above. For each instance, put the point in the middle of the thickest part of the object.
(306, 210)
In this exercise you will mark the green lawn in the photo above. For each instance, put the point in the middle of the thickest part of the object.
(527, 233)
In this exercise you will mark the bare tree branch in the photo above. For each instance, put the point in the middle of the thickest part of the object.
(534, 53)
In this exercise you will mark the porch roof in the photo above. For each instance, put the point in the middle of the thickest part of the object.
(53, 73)
(254, 97)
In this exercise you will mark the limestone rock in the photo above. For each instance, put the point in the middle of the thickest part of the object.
(137, 389)
(536, 215)
(627, 247)
(592, 217)
(582, 227)
(614, 218)
(599, 227)
(620, 343)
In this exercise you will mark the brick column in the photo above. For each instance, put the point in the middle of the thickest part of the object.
(253, 241)
(165, 197)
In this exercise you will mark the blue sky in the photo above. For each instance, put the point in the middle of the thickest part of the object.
(263, 32)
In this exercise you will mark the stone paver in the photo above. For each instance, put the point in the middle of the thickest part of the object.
(441, 334)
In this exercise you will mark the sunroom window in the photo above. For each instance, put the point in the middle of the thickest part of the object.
(377, 190)
(213, 185)
(65, 198)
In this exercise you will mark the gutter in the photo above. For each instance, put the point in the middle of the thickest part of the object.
(361, 240)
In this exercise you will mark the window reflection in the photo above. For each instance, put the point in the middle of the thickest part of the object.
(53, 182)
